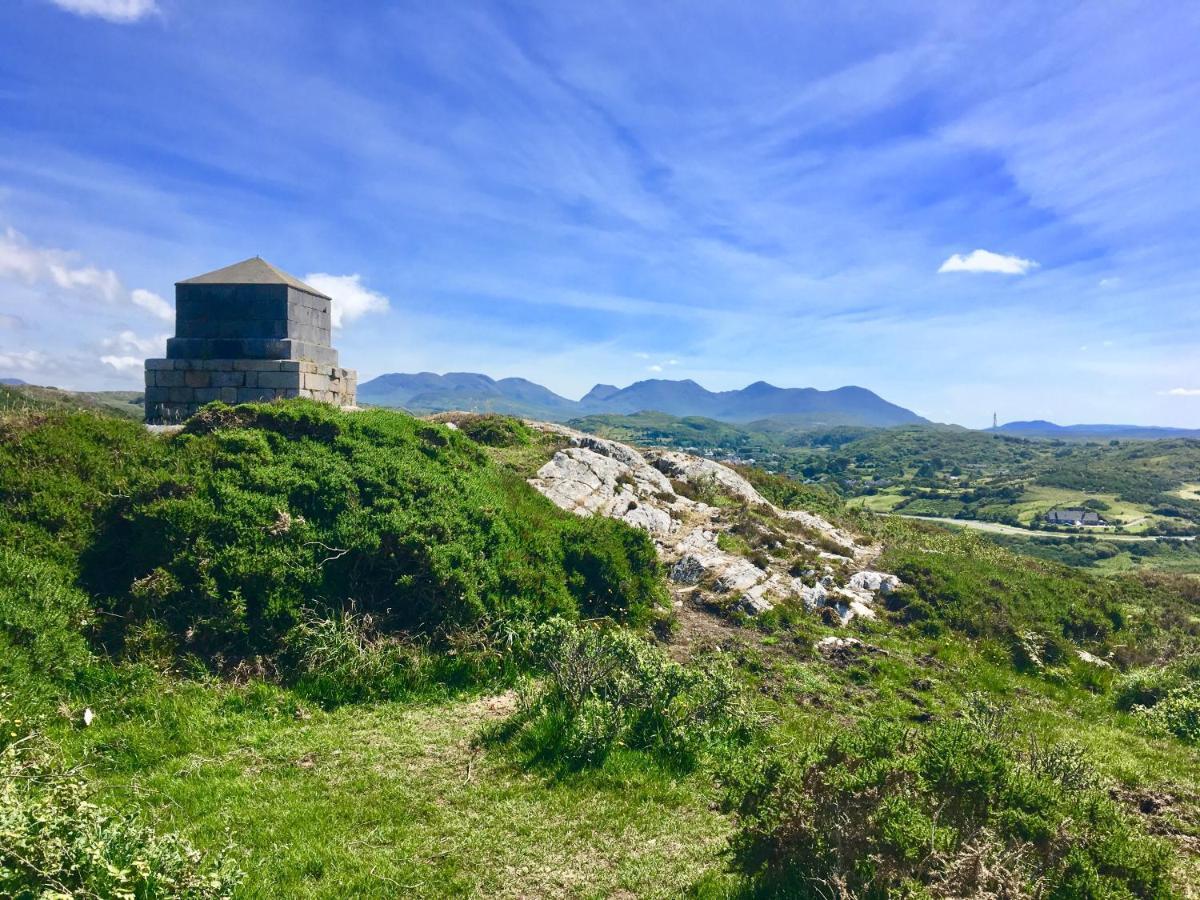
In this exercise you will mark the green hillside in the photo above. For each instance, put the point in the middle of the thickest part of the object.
(30, 397)
(291, 651)
(1139, 487)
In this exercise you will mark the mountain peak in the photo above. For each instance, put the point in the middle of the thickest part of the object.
(470, 392)
(599, 393)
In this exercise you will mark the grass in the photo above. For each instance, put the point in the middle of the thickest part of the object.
(881, 503)
(1189, 491)
(393, 798)
(394, 793)
(397, 798)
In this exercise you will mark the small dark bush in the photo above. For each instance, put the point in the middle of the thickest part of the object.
(495, 430)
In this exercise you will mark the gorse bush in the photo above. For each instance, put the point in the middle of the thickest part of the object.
(227, 531)
(342, 657)
(1165, 698)
(956, 810)
(494, 430)
(606, 688)
(42, 617)
(56, 842)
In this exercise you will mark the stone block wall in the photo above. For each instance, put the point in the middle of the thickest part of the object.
(177, 388)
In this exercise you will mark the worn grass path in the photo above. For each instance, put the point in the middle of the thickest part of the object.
(393, 800)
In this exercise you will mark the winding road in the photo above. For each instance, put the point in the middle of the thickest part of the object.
(999, 528)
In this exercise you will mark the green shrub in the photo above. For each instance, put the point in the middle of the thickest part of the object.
(1146, 686)
(494, 430)
(606, 688)
(56, 842)
(343, 658)
(954, 810)
(41, 619)
(226, 532)
(1166, 699)
(1176, 714)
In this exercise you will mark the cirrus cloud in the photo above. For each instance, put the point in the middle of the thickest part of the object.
(1183, 392)
(987, 261)
(119, 11)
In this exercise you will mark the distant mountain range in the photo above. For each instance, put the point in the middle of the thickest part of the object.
(428, 392)
(11, 382)
(1039, 428)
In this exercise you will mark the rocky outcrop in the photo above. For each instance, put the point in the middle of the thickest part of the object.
(594, 476)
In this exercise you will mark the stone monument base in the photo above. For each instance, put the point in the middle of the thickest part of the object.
(177, 388)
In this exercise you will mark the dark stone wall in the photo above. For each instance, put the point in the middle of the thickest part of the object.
(239, 343)
(250, 321)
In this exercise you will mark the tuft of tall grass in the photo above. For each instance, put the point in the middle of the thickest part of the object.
(607, 688)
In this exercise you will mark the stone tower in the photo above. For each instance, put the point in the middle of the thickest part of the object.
(245, 333)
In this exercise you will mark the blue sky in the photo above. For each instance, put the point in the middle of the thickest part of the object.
(966, 207)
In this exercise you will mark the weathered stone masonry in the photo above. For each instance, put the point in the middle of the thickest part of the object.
(245, 333)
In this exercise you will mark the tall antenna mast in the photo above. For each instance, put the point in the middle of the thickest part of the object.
(993, 421)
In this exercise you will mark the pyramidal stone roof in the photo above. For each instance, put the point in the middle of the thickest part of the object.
(254, 270)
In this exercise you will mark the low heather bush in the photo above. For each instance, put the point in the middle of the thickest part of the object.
(954, 810)
(606, 688)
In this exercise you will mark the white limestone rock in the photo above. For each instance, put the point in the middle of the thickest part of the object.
(881, 583)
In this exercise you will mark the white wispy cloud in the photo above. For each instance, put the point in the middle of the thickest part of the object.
(654, 368)
(1183, 392)
(126, 365)
(22, 260)
(153, 304)
(351, 298)
(127, 342)
(120, 11)
(21, 360)
(987, 261)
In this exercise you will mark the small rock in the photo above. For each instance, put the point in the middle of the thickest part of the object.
(753, 606)
(688, 570)
(835, 644)
(88, 717)
(1094, 660)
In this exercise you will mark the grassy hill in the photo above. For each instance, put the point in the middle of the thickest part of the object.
(29, 397)
(297, 652)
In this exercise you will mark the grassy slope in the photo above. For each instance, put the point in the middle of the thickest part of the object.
(126, 404)
(392, 798)
(374, 799)
(378, 799)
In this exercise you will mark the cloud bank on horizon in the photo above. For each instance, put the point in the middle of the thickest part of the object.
(942, 202)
